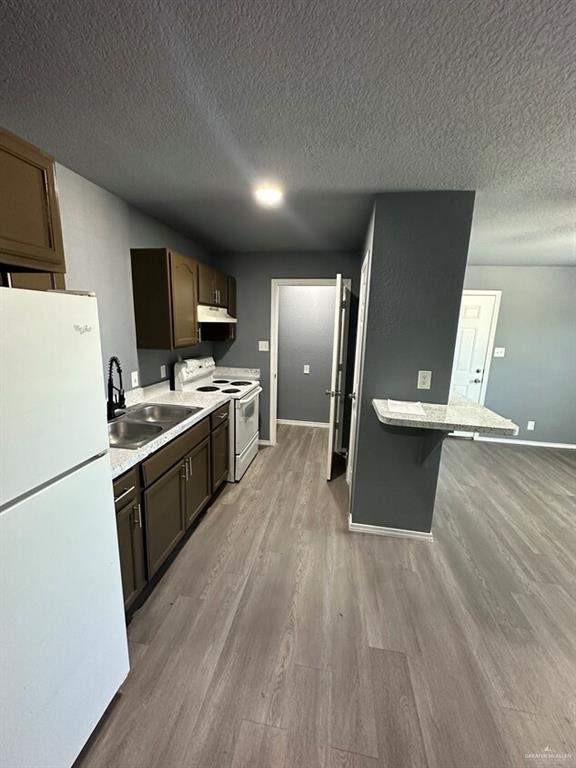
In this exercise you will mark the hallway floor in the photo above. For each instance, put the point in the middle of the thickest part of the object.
(278, 639)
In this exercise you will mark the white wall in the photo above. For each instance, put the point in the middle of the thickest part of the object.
(99, 229)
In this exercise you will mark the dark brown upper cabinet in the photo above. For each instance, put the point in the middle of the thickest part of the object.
(213, 287)
(165, 287)
(232, 296)
(33, 281)
(30, 229)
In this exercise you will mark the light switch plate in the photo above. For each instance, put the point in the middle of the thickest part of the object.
(424, 379)
(263, 346)
(531, 426)
(306, 369)
(499, 351)
(163, 371)
(134, 378)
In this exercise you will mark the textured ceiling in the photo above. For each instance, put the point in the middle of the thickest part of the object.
(179, 106)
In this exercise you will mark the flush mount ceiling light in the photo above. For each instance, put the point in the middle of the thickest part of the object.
(269, 195)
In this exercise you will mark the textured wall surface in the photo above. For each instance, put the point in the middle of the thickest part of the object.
(305, 336)
(99, 229)
(253, 273)
(536, 380)
(418, 264)
(178, 110)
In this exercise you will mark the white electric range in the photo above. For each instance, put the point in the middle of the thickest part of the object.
(198, 374)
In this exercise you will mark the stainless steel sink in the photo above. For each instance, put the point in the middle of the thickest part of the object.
(157, 412)
(124, 433)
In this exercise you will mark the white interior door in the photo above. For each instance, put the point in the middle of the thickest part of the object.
(476, 328)
(336, 384)
(360, 333)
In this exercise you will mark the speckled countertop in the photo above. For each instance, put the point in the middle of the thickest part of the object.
(123, 459)
(459, 414)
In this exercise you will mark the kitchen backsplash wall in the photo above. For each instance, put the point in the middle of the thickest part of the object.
(150, 360)
(99, 229)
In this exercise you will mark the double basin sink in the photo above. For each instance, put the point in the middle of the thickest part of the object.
(143, 423)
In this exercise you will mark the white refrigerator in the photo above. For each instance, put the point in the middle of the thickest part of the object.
(63, 646)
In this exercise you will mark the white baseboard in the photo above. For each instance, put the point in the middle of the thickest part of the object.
(398, 533)
(535, 443)
(293, 423)
(266, 442)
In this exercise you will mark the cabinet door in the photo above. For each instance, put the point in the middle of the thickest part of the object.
(221, 288)
(164, 506)
(206, 285)
(34, 281)
(232, 306)
(184, 277)
(220, 455)
(199, 481)
(30, 230)
(131, 546)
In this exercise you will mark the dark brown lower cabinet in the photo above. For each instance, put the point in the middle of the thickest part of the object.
(220, 454)
(198, 484)
(178, 482)
(131, 546)
(165, 508)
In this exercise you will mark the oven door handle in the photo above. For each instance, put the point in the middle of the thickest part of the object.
(249, 399)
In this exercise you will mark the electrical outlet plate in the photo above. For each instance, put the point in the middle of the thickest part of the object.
(531, 426)
(499, 351)
(263, 346)
(424, 379)
(306, 368)
(134, 378)
(163, 371)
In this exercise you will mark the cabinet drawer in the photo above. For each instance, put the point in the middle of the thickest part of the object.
(169, 454)
(218, 416)
(125, 488)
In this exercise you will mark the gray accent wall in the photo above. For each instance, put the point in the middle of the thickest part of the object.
(418, 262)
(99, 229)
(253, 273)
(305, 336)
(536, 379)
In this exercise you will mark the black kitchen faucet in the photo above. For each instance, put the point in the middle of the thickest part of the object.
(113, 404)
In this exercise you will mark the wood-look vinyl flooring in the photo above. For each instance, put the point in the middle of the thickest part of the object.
(277, 639)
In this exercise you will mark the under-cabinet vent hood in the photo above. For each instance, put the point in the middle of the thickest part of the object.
(214, 315)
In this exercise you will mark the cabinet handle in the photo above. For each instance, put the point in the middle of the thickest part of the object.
(186, 469)
(138, 517)
(125, 493)
(189, 462)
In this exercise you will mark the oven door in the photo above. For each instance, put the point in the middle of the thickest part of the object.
(246, 420)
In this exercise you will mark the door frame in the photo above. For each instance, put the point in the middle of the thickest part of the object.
(275, 284)
(491, 336)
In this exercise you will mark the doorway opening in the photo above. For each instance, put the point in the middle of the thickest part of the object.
(474, 346)
(308, 351)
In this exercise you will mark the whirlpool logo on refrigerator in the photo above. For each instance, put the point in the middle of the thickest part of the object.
(82, 329)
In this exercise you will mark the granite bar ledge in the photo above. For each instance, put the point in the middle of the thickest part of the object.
(459, 414)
